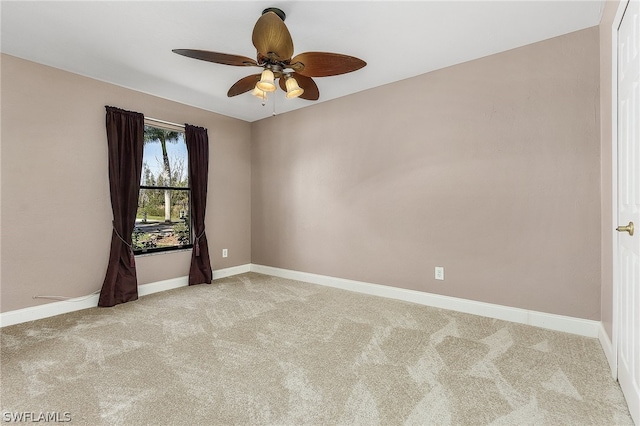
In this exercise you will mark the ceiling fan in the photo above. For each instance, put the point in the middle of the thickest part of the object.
(273, 42)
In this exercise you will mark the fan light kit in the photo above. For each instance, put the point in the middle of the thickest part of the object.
(274, 47)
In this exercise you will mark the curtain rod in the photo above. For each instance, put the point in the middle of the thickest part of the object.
(167, 123)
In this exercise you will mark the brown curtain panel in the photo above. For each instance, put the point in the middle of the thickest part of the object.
(125, 137)
(198, 151)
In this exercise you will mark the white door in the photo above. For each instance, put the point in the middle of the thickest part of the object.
(628, 342)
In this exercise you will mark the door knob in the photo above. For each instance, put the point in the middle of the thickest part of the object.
(628, 228)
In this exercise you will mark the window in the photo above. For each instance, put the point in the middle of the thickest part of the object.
(163, 220)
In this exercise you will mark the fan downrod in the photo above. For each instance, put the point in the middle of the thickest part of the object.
(277, 11)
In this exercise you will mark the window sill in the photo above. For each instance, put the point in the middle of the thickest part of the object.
(157, 253)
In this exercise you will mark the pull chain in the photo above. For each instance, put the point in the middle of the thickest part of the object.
(274, 105)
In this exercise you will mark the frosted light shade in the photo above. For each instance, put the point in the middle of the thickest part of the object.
(293, 90)
(261, 94)
(266, 83)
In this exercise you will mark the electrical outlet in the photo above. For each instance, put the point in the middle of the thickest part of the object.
(225, 253)
(439, 273)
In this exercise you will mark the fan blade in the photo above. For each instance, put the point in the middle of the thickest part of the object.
(271, 37)
(243, 85)
(323, 64)
(218, 58)
(311, 92)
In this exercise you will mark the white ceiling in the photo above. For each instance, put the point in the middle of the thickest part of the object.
(129, 43)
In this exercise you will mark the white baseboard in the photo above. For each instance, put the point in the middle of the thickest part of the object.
(57, 308)
(566, 324)
(234, 270)
(158, 286)
(609, 353)
(33, 313)
(562, 323)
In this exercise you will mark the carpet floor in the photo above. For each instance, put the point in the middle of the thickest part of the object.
(254, 349)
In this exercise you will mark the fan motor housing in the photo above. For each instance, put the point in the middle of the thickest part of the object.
(277, 11)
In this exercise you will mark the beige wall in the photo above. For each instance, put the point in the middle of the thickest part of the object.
(489, 168)
(56, 210)
(606, 302)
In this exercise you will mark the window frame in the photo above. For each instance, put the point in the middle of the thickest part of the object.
(165, 125)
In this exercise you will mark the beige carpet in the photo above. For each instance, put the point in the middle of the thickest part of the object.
(254, 349)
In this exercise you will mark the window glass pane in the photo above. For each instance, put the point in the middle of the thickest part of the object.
(164, 161)
(152, 232)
